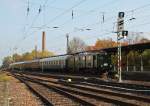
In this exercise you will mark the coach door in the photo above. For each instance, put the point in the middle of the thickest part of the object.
(94, 61)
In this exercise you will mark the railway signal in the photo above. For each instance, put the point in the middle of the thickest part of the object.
(121, 33)
(124, 33)
(120, 23)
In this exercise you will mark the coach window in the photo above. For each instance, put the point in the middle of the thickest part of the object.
(79, 58)
(83, 57)
(76, 58)
(89, 57)
(56, 62)
(101, 58)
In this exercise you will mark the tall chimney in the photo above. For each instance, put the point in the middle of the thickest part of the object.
(43, 41)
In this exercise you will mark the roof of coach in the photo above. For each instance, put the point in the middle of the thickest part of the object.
(55, 58)
(23, 62)
(16, 63)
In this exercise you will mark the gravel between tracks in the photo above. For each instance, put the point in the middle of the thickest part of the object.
(55, 98)
(15, 93)
(91, 100)
(131, 100)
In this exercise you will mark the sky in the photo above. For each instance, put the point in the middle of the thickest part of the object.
(20, 30)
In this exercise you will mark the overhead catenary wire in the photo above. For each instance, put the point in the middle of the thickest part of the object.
(58, 16)
(103, 19)
(34, 20)
(36, 16)
(93, 10)
(92, 37)
(28, 8)
(54, 18)
(135, 10)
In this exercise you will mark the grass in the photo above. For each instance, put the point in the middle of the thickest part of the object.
(4, 77)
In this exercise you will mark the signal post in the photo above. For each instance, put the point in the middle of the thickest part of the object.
(121, 33)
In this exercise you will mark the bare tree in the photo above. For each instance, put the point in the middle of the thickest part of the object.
(137, 37)
(76, 45)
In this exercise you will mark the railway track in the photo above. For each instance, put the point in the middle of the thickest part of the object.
(43, 99)
(54, 98)
(123, 87)
(88, 91)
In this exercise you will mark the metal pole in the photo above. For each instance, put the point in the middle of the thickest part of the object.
(67, 36)
(120, 70)
(141, 63)
(118, 55)
(119, 58)
(42, 67)
(134, 67)
(127, 63)
(120, 35)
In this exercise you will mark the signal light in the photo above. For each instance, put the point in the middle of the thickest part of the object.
(124, 33)
(121, 15)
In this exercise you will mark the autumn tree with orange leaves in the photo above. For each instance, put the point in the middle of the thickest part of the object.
(25, 57)
(104, 43)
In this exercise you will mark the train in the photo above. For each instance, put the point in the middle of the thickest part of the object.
(99, 62)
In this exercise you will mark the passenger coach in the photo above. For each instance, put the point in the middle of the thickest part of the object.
(82, 62)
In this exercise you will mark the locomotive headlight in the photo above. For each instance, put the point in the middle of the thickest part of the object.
(105, 64)
(69, 80)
